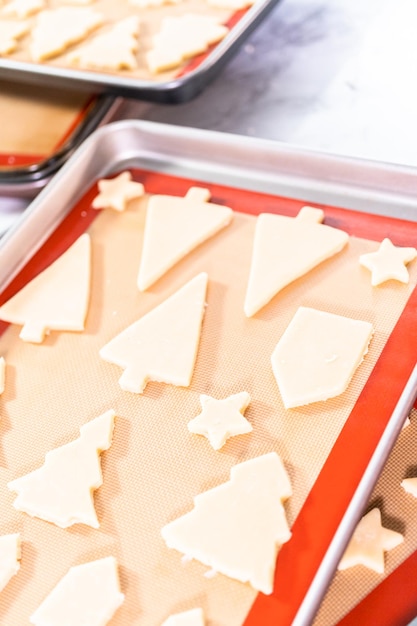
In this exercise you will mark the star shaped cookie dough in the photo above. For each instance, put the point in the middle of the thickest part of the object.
(221, 419)
(369, 542)
(115, 193)
(388, 262)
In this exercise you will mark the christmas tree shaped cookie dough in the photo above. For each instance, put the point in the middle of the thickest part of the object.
(369, 542)
(115, 193)
(10, 32)
(112, 50)
(286, 248)
(388, 263)
(194, 617)
(175, 226)
(317, 355)
(181, 38)
(88, 594)
(10, 553)
(23, 8)
(57, 298)
(56, 29)
(237, 528)
(162, 345)
(61, 491)
(221, 419)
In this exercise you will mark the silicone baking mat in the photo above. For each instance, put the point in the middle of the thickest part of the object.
(155, 467)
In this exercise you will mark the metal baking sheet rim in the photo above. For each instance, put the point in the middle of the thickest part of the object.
(251, 164)
(174, 91)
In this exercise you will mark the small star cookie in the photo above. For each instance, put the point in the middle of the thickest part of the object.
(10, 32)
(369, 542)
(388, 262)
(221, 419)
(116, 192)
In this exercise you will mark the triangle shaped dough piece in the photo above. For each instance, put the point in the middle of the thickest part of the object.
(369, 542)
(57, 298)
(194, 617)
(175, 226)
(61, 491)
(162, 345)
(9, 558)
(236, 528)
(87, 594)
(317, 355)
(286, 248)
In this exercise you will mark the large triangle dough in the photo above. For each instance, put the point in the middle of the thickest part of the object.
(162, 345)
(175, 226)
(286, 248)
(57, 298)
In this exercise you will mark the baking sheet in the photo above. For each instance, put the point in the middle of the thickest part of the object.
(297, 567)
(177, 85)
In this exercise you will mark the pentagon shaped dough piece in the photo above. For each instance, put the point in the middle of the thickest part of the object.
(61, 491)
(10, 32)
(10, 553)
(317, 355)
(162, 345)
(111, 50)
(286, 248)
(388, 263)
(181, 38)
(369, 542)
(194, 617)
(87, 594)
(23, 8)
(56, 29)
(221, 419)
(115, 193)
(57, 298)
(175, 226)
(237, 528)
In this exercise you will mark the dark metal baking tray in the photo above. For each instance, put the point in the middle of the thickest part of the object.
(181, 89)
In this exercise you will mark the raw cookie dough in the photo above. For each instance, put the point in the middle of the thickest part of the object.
(147, 4)
(88, 594)
(237, 528)
(57, 298)
(286, 248)
(10, 32)
(388, 263)
(194, 617)
(181, 38)
(111, 50)
(23, 8)
(61, 491)
(10, 553)
(317, 355)
(175, 226)
(369, 542)
(221, 419)
(115, 193)
(162, 345)
(410, 486)
(56, 29)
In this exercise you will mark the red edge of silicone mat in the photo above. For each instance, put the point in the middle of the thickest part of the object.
(20, 160)
(316, 523)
